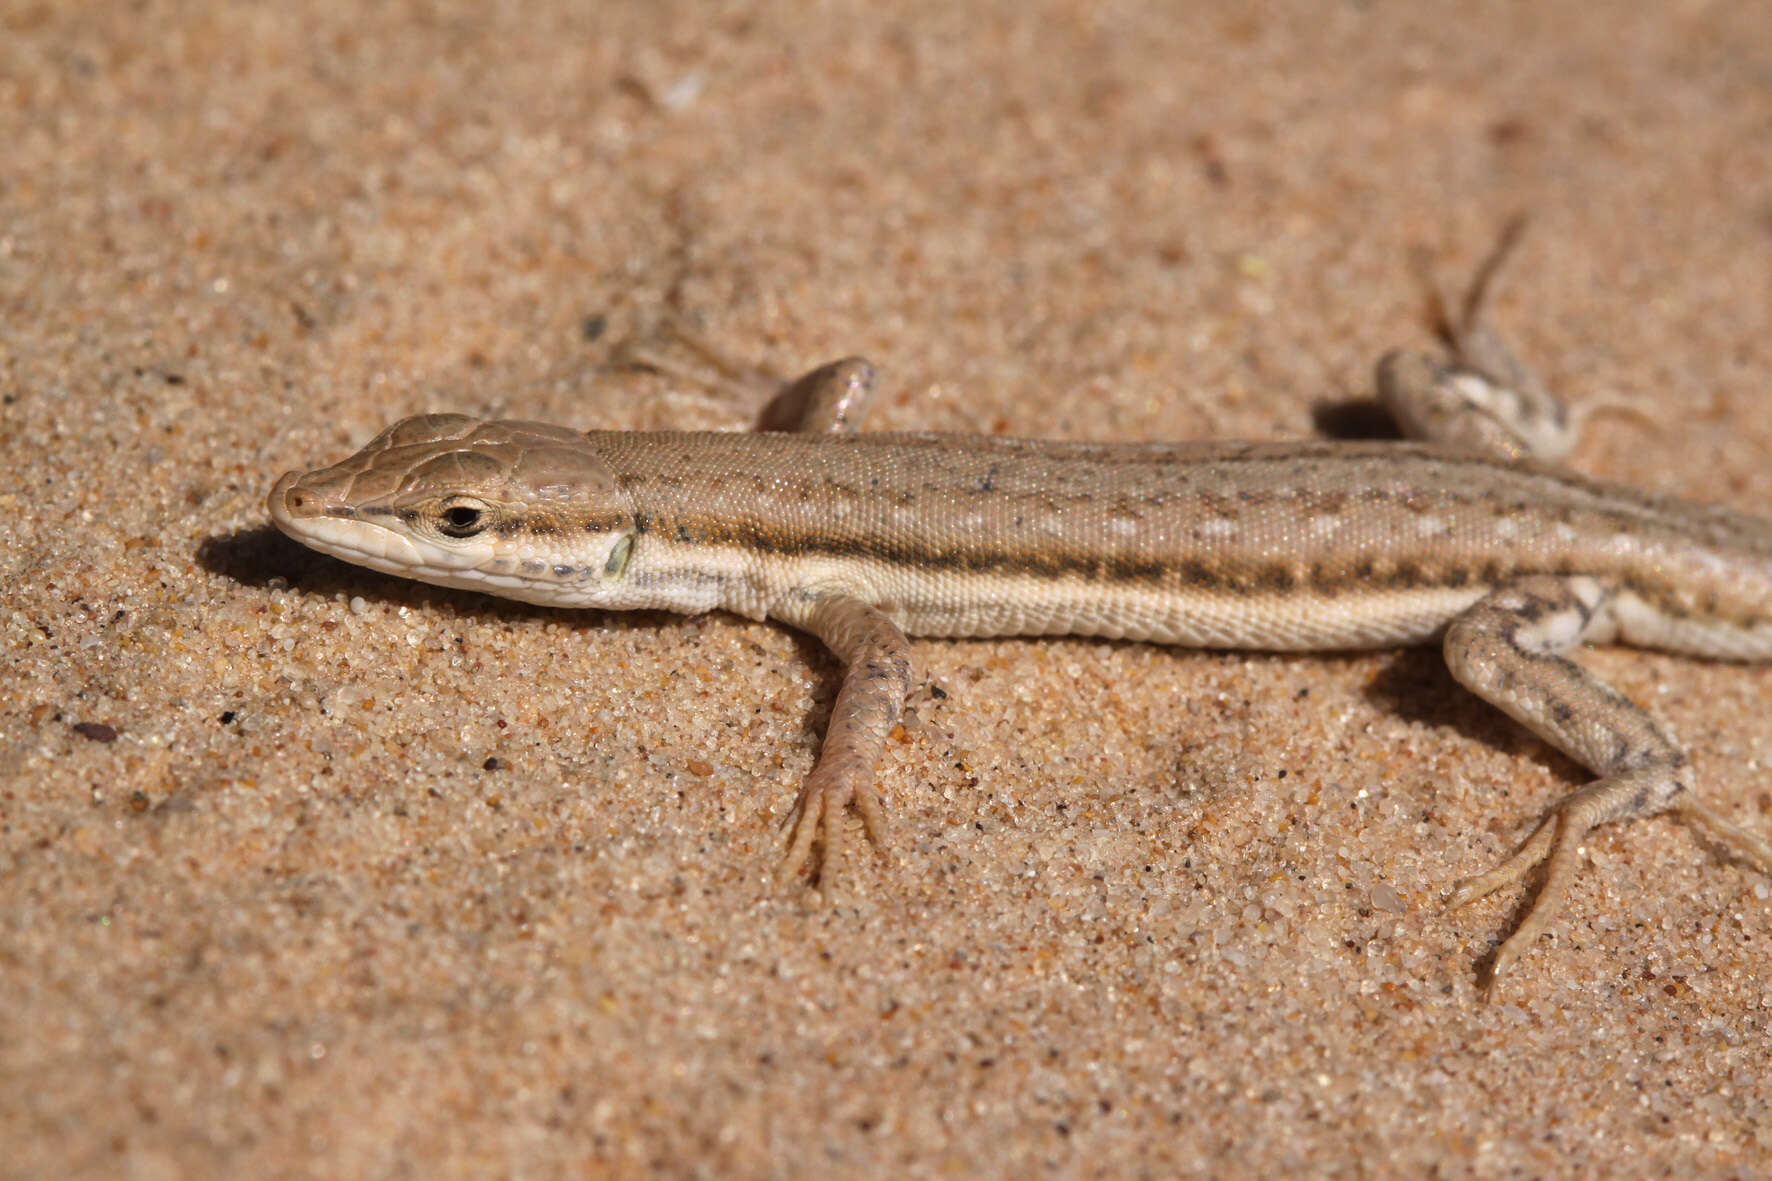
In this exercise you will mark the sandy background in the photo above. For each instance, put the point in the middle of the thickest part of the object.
(306, 871)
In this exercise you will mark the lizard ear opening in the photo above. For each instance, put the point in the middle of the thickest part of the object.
(618, 557)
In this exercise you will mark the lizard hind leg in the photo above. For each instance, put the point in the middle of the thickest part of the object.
(1484, 398)
(1750, 847)
(1509, 650)
(1556, 844)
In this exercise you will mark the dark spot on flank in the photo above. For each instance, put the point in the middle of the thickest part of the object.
(1197, 573)
(1146, 572)
(1561, 713)
(563, 571)
(1456, 577)
(1279, 577)
(544, 528)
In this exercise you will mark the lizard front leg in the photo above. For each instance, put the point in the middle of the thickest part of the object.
(876, 676)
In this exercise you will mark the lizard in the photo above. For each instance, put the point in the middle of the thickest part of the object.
(1473, 539)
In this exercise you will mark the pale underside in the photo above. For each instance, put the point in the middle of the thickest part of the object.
(862, 539)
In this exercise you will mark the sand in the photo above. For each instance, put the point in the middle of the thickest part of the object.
(306, 871)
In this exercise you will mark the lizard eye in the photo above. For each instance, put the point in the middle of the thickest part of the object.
(461, 520)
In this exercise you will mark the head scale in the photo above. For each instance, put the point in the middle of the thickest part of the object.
(520, 509)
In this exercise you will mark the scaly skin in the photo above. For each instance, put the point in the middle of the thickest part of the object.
(863, 539)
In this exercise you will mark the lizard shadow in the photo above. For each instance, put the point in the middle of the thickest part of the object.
(1415, 685)
(261, 556)
(1411, 684)
(1354, 418)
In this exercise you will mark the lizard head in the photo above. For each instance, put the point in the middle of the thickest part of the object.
(519, 509)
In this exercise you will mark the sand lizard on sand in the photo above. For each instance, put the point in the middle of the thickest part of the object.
(1471, 541)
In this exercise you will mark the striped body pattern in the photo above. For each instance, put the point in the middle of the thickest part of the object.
(1277, 546)
(1470, 540)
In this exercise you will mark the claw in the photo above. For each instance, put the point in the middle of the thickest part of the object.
(1510, 871)
(1555, 844)
(817, 818)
